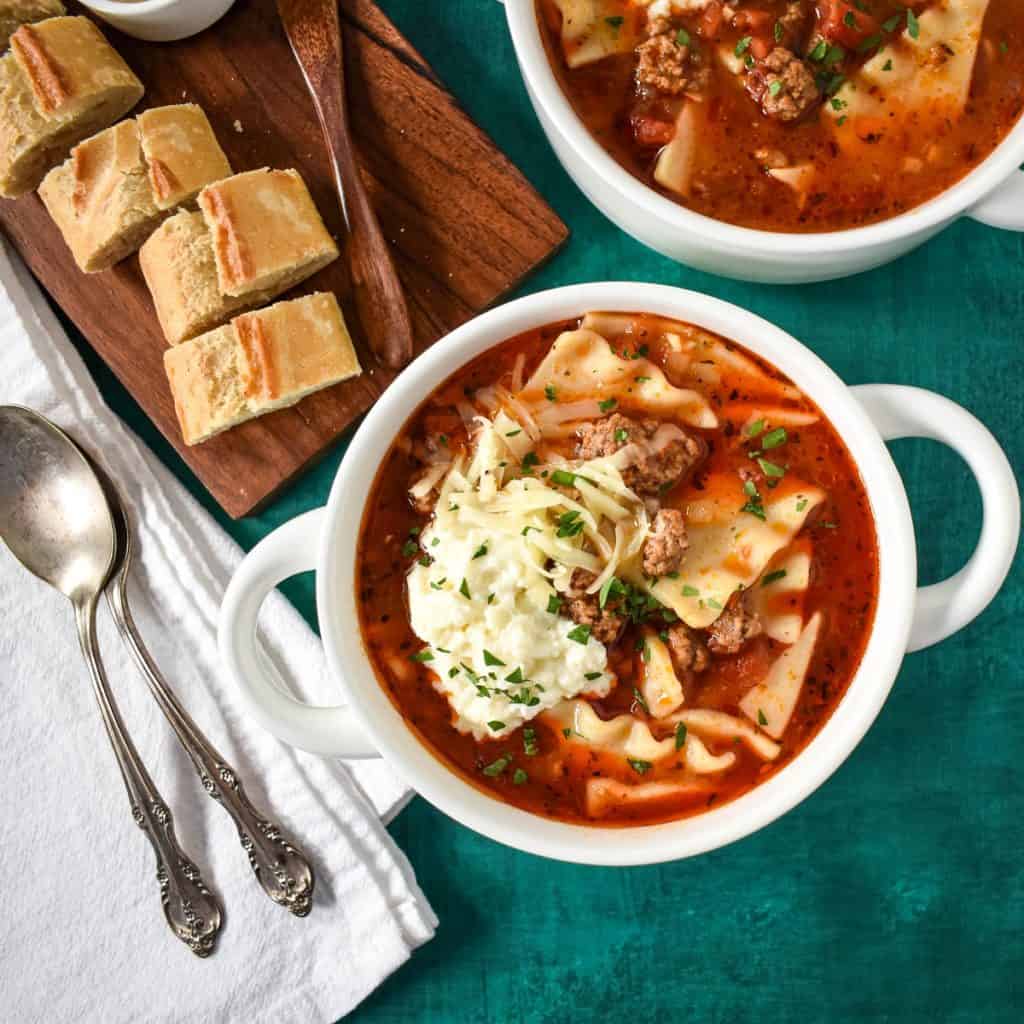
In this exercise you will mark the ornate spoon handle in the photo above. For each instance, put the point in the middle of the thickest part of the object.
(281, 868)
(191, 909)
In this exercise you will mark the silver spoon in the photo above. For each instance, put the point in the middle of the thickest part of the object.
(281, 868)
(55, 520)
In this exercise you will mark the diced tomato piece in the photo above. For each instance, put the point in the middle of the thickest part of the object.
(650, 131)
(760, 26)
(839, 21)
(711, 20)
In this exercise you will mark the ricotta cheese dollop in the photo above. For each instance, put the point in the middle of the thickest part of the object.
(501, 651)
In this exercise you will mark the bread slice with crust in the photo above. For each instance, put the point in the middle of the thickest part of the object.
(260, 362)
(61, 82)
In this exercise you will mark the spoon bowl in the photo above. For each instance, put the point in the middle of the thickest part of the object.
(53, 513)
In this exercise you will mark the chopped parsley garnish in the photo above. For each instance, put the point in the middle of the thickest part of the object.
(425, 655)
(712, 603)
(887, 66)
(779, 31)
(581, 634)
(490, 659)
(641, 380)
(554, 604)
(615, 21)
(438, 584)
(453, 672)
(495, 768)
(743, 45)
(773, 577)
(850, 19)
(495, 726)
(913, 26)
(409, 548)
(530, 747)
(755, 428)
(801, 505)
(482, 690)
(869, 44)
(569, 524)
(591, 676)
(680, 735)
(774, 438)
(640, 767)
(519, 777)
(550, 393)
(683, 37)
(891, 24)
(621, 435)
(464, 590)
(775, 88)
(689, 591)
(761, 720)
(610, 588)
(527, 529)
(515, 676)
(638, 698)
(819, 51)
(481, 551)
(755, 505)
(513, 433)
(530, 459)
(563, 478)
(770, 469)
(608, 404)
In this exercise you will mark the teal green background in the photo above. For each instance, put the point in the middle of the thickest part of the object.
(894, 893)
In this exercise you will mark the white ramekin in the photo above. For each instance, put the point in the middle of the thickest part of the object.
(908, 617)
(160, 21)
(992, 193)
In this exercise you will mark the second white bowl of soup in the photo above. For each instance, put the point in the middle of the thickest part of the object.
(781, 141)
(618, 573)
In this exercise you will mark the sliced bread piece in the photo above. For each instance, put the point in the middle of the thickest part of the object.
(261, 361)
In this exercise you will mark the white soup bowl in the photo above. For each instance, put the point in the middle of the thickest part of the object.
(907, 619)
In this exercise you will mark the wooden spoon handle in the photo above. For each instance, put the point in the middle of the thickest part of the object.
(314, 34)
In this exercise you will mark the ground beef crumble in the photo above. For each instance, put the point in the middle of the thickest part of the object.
(687, 650)
(667, 543)
(654, 472)
(734, 627)
(783, 85)
(667, 66)
(585, 609)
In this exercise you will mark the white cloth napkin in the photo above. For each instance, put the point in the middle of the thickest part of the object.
(83, 936)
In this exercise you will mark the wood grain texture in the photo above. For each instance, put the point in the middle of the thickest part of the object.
(314, 32)
(465, 226)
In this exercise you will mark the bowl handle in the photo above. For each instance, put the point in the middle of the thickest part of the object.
(1004, 206)
(943, 608)
(290, 549)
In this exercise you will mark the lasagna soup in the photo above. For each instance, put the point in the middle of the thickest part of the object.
(792, 115)
(616, 570)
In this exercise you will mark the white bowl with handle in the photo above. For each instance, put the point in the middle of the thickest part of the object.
(908, 618)
(993, 193)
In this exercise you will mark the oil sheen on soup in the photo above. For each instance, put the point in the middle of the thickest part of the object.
(792, 115)
(616, 570)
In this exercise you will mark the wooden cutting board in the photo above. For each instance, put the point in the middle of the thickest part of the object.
(465, 225)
